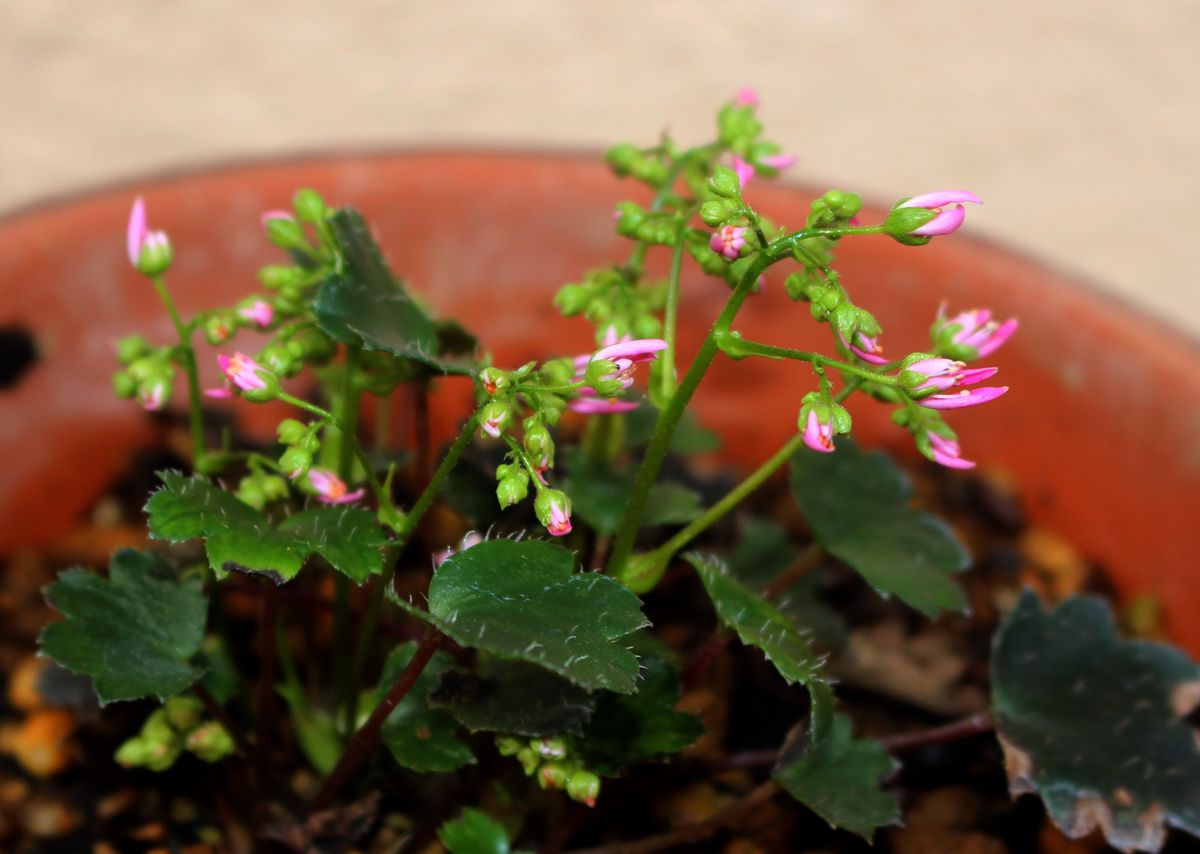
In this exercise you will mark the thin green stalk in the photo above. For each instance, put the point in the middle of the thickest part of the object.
(425, 500)
(195, 413)
(670, 415)
(671, 316)
(362, 647)
(737, 346)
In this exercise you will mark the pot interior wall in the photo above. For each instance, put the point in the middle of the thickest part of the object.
(1100, 426)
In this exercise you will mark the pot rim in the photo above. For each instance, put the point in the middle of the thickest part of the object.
(1153, 323)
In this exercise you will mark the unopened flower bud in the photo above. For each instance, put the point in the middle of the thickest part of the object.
(276, 276)
(495, 418)
(309, 205)
(507, 745)
(284, 231)
(291, 431)
(295, 462)
(131, 348)
(210, 741)
(714, 212)
(553, 509)
(572, 299)
(724, 183)
(493, 380)
(584, 787)
(621, 157)
(553, 775)
(528, 759)
(124, 385)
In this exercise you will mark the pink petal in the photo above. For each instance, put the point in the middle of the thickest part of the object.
(952, 462)
(747, 96)
(220, 393)
(971, 376)
(964, 398)
(744, 171)
(939, 198)
(637, 350)
(596, 406)
(342, 499)
(944, 223)
(817, 435)
(779, 161)
(1002, 333)
(135, 233)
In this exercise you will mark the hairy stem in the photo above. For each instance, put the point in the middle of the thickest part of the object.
(195, 413)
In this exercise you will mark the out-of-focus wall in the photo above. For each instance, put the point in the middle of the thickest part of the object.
(1078, 123)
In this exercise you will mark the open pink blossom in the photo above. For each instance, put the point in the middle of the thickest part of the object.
(946, 452)
(558, 518)
(963, 397)
(942, 374)
(259, 313)
(625, 354)
(818, 434)
(948, 204)
(138, 237)
(242, 371)
(728, 241)
(635, 350)
(977, 329)
(330, 488)
(866, 347)
(747, 96)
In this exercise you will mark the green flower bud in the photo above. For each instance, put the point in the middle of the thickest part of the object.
(291, 431)
(156, 255)
(621, 157)
(312, 346)
(901, 222)
(494, 418)
(295, 462)
(528, 759)
(649, 170)
(218, 327)
(276, 276)
(647, 326)
(124, 385)
(494, 380)
(512, 490)
(553, 509)
(842, 204)
(537, 440)
(724, 182)
(572, 299)
(286, 233)
(550, 748)
(157, 728)
(309, 205)
(249, 493)
(584, 787)
(643, 570)
(133, 753)
(183, 712)
(131, 348)
(507, 745)
(553, 775)
(210, 742)
(715, 211)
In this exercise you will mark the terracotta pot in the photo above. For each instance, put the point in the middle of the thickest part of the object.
(1100, 428)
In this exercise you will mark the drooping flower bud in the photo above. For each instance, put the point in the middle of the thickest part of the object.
(553, 509)
(149, 251)
(330, 488)
(915, 220)
(495, 418)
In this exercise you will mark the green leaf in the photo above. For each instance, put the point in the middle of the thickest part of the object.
(133, 633)
(628, 729)
(238, 537)
(1095, 724)
(857, 505)
(837, 777)
(420, 737)
(365, 305)
(513, 698)
(348, 537)
(690, 437)
(599, 491)
(520, 600)
(474, 833)
(762, 552)
(757, 622)
(315, 730)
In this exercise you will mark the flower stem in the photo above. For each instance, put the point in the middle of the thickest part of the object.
(670, 415)
(195, 413)
(671, 316)
(363, 742)
(425, 500)
(737, 346)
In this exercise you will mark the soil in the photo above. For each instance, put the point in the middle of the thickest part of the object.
(898, 674)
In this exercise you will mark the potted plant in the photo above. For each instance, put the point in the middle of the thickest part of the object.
(527, 649)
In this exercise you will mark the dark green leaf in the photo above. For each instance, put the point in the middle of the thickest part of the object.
(1095, 724)
(671, 504)
(599, 491)
(238, 537)
(690, 437)
(365, 305)
(513, 698)
(315, 730)
(756, 621)
(857, 505)
(521, 600)
(762, 552)
(474, 833)
(134, 633)
(348, 537)
(419, 737)
(630, 728)
(837, 777)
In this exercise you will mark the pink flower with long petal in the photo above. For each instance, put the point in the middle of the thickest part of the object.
(963, 397)
(258, 312)
(331, 489)
(625, 355)
(866, 347)
(818, 434)
(728, 241)
(747, 96)
(242, 371)
(636, 350)
(138, 237)
(942, 374)
(218, 393)
(948, 219)
(743, 170)
(946, 452)
(978, 330)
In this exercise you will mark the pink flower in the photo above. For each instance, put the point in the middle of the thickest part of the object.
(747, 96)
(866, 347)
(942, 374)
(946, 221)
(152, 399)
(277, 213)
(330, 488)
(636, 350)
(258, 312)
(553, 510)
(219, 393)
(977, 330)
(947, 453)
(818, 434)
(778, 161)
(597, 406)
(743, 170)
(625, 355)
(963, 398)
(471, 538)
(138, 237)
(242, 371)
(728, 241)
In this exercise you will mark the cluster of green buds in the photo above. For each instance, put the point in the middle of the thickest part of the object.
(148, 372)
(177, 726)
(259, 488)
(294, 347)
(608, 300)
(648, 165)
(550, 762)
(301, 444)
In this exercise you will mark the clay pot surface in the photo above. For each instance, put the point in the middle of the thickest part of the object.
(1101, 428)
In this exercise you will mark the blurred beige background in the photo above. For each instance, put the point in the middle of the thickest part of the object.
(1078, 123)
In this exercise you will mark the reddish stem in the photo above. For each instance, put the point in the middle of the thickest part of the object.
(363, 741)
